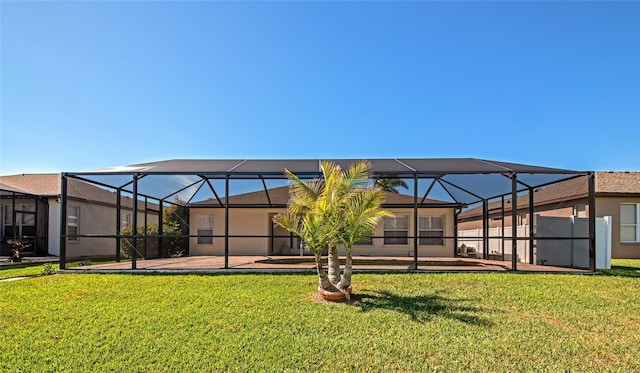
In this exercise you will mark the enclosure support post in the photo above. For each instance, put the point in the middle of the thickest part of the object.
(118, 222)
(36, 224)
(160, 228)
(14, 216)
(592, 220)
(485, 229)
(415, 221)
(63, 222)
(456, 213)
(134, 223)
(146, 254)
(226, 222)
(502, 228)
(514, 222)
(530, 221)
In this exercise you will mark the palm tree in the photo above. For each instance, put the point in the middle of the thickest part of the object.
(391, 184)
(337, 210)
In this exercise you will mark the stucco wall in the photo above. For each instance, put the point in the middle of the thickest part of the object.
(610, 206)
(256, 222)
(99, 220)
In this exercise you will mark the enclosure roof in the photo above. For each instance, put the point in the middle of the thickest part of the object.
(455, 180)
(379, 166)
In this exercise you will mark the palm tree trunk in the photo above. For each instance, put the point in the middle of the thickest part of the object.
(345, 284)
(323, 280)
(334, 266)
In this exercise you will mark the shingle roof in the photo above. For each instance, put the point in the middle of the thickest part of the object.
(38, 184)
(48, 185)
(6, 189)
(607, 183)
(280, 196)
(617, 183)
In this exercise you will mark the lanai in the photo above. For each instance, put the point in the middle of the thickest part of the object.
(462, 183)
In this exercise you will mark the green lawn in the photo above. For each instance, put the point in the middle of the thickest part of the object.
(399, 322)
(23, 269)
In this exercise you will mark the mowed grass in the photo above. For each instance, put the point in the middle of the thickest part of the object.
(398, 322)
(24, 269)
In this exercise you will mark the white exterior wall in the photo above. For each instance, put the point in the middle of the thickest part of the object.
(53, 244)
(256, 221)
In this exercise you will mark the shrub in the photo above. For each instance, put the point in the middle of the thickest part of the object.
(48, 269)
(171, 246)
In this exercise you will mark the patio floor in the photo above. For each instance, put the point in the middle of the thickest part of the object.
(306, 264)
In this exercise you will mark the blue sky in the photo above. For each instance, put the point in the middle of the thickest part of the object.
(87, 85)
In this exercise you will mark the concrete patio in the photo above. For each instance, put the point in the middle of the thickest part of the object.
(214, 264)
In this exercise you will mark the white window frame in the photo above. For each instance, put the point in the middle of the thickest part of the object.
(207, 232)
(580, 211)
(126, 221)
(387, 219)
(635, 226)
(425, 228)
(24, 211)
(522, 218)
(73, 221)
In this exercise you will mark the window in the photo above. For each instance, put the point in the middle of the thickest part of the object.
(25, 220)
(522, 218)
(396, 230)
(205, 228)
(72, 223)
(368, 241)
(431, 230)
(580, 211)
(126, 220)
(629, 227)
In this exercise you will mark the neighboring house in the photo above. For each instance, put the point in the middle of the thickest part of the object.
(617, 194)
(252, 231)
(34, 201)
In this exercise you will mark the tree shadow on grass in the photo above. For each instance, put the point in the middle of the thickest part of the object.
(621, 271)
(422, 308)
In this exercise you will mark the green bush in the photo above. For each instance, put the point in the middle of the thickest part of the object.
(171, 246)
(48, 269)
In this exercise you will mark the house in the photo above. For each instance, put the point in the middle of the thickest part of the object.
(252, 231)
(30, 210)
(617, 194)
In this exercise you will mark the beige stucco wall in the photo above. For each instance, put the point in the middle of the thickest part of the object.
(98, 219)
(559, 209)
(605, 206)
(610, 206)
(249, 221)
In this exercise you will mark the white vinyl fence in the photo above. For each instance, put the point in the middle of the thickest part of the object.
(472, 238)
(560, 252)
